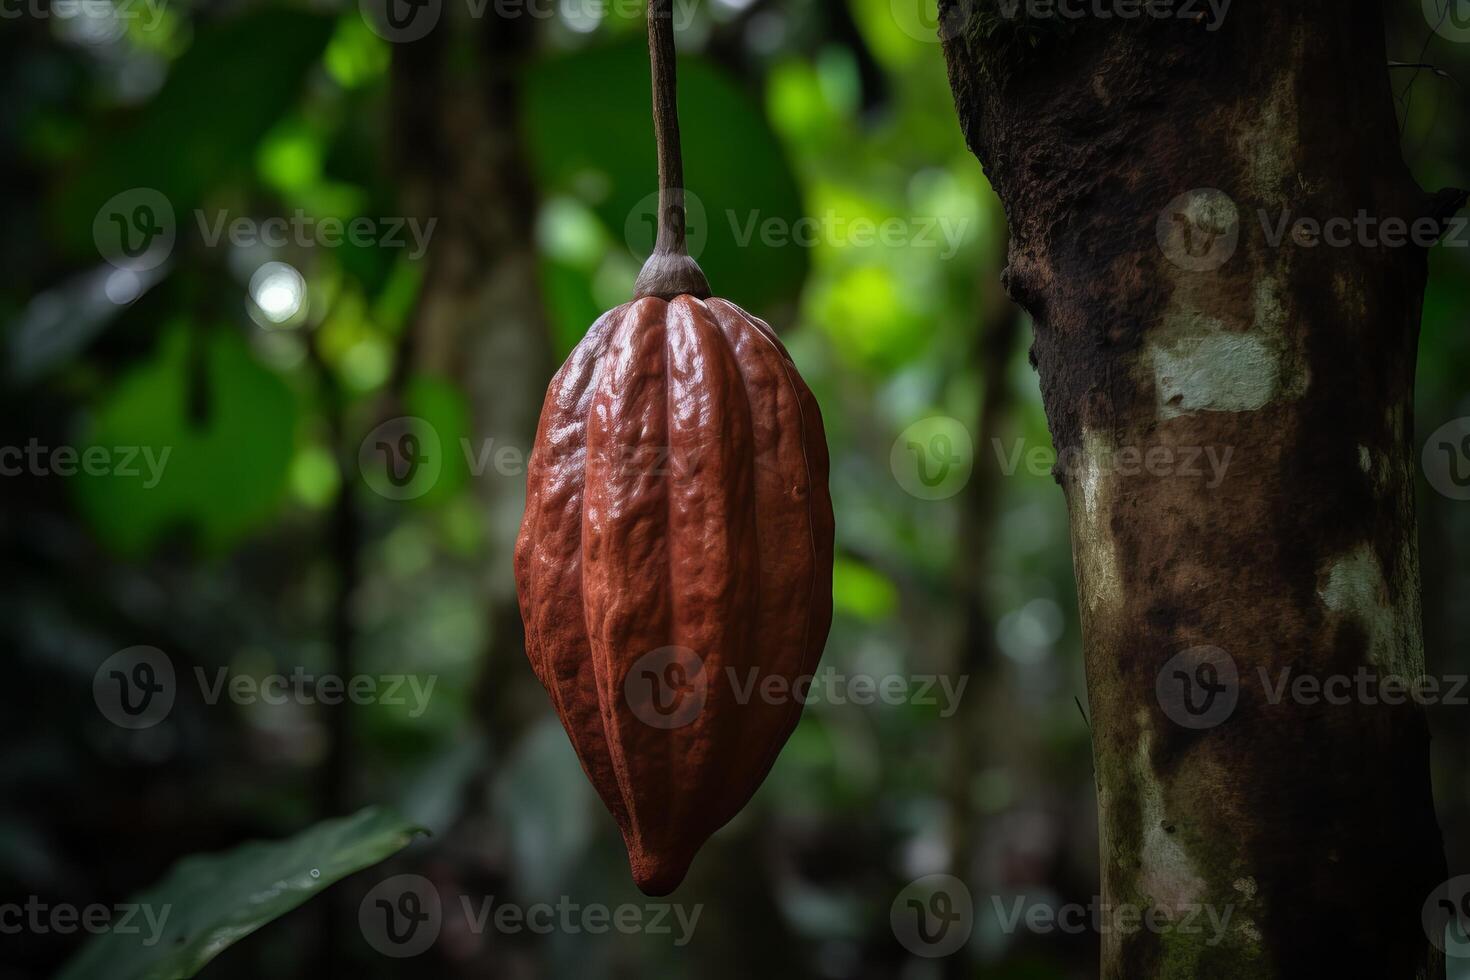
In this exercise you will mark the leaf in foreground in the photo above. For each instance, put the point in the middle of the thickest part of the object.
(209, 901)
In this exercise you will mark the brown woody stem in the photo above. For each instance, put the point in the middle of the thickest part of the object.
(669, 271)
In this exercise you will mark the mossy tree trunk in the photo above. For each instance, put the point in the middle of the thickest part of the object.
(1180, 327)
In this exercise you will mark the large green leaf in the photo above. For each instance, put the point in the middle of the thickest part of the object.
(199, 439)
(590, 132)
(222, 95)
(214, 900)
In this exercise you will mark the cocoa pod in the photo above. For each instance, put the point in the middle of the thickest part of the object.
(676, 546)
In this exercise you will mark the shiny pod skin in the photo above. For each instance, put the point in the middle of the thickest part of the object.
(676, 552)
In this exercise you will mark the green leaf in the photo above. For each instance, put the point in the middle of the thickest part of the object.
(862, 591)
(200, 438)
(214, 900)
(590, 133)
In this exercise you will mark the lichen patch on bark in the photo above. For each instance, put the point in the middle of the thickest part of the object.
(1167, 877)
(1213, 372)
(1353, 587)
(1094, 551)
(1202, 363)
(1269, 138)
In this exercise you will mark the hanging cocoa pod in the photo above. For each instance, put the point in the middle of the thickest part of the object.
(677, 542)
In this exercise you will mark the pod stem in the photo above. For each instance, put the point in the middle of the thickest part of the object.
(669, 271)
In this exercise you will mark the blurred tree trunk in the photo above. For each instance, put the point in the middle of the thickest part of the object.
(480, 318)
(1167, 327)
(975, 650)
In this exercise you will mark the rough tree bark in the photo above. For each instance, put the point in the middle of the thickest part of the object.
(1311, 824)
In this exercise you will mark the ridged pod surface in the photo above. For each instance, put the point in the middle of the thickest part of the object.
(677, 544)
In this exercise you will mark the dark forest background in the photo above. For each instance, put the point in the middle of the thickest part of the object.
(520, 143)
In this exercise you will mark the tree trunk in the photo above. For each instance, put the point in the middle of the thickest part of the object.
(480, 318)
(1170, 328)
